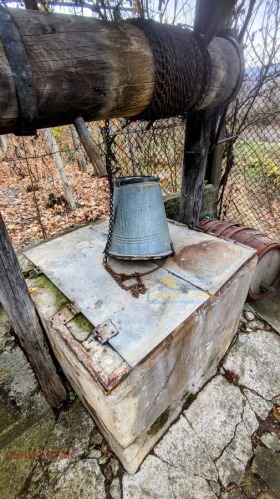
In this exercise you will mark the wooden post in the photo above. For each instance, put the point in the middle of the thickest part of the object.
(59, 163)
(90, 148)
(210, 15)
(79, 152)
(194, 165)
(3, 143)
(21, 313)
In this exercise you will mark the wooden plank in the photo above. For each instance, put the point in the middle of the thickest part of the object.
(20, 310)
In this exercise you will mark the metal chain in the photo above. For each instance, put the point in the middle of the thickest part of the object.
(137, 287)
(182, 70)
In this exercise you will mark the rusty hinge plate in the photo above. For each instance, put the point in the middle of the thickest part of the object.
(104, 332)
(105, 365)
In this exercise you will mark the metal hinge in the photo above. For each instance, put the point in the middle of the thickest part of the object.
(103, 332)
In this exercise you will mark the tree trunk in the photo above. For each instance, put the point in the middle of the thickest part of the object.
(3, 143)
(59, 163)
(21, 313)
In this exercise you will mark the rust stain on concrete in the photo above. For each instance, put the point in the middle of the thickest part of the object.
(208, 254)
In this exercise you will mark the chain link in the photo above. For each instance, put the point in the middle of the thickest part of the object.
(182, 69)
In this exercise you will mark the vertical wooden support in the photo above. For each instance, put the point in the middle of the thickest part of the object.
(194, 165)
(215, 160)
(210, 16)
(90, 148)
(21, 313)
(59, 163)
(79, 152)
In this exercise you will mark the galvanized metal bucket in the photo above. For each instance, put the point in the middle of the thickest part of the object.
(140, 230)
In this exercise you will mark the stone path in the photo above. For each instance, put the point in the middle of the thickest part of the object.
(268, 308)
(225, 444)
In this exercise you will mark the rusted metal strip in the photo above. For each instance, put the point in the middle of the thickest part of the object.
(107, 382)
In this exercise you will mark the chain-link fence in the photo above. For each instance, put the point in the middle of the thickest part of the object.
(144, 148)
(49, 185)
(250, 191)
(38, 186)
(250, 184)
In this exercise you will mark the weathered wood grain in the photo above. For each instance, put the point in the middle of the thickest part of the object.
(81, 67)
(84, 67)
(20, 310)
(226, 68)
(90, 148)
(194, 166)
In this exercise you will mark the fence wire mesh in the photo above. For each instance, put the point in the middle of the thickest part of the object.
(250, 183)
(144, 148)
(250, 190)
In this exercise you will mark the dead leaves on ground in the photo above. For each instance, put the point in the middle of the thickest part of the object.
(18, 201)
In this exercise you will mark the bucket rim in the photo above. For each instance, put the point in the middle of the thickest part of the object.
(135, 179)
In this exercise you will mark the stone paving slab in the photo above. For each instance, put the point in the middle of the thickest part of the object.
(219, 435)
(269, 309)
(21, 402)
(225, 444)
(255, 360)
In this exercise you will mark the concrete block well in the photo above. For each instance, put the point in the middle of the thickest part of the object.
(158, 350)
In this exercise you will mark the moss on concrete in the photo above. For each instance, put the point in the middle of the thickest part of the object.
(159, 423)
(18, 459)
(6, 339)
(266, 465)
(80, 327)
(208, 208)
(189, 399)
(60, 300)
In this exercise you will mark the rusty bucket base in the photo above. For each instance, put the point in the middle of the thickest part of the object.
(134, 363)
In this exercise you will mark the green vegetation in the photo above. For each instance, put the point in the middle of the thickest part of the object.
(245, 148)
(72, 396)
(261, 163)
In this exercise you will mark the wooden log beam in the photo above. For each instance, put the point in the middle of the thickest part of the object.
(84, 67)
(80, 67)
(21, 313)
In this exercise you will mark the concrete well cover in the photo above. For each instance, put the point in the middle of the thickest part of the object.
(201, 265)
